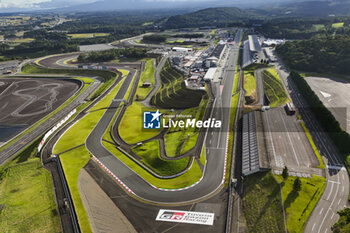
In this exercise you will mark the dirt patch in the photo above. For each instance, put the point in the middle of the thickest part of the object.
(251, 99)
(104, 215)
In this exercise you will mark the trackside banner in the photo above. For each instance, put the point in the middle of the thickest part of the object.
(185, 217)
(51, 131)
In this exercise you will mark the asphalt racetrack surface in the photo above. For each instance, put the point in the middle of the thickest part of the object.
(213, 176)
(24, 101)
(54, 61)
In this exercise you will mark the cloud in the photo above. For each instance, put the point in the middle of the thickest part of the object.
(21, 3)
(39, 3)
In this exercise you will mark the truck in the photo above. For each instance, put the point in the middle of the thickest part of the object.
(290, 108)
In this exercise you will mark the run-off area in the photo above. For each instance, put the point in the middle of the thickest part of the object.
(24, 101)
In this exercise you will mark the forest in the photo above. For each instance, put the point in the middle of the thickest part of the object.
(112, 54)
(324, 54)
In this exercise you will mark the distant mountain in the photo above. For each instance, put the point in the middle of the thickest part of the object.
(190, 5)
(220, 16)
(113, 5)
(306, 8)
(251, 7)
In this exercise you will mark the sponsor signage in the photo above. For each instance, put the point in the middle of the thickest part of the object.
(180, 216)
(51, 131)
(152, 120)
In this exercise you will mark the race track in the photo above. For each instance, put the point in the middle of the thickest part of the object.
(216, 144)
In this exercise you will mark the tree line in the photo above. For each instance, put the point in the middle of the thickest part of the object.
(108, 55)
(340, 138)
(325, 54)
(45, 43)
(304, 28)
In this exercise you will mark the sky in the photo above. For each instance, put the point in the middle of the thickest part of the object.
(39, 3)
(62, 3)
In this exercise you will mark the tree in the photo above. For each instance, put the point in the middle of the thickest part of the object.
(297, 185)
(343, 223)
(285, 173)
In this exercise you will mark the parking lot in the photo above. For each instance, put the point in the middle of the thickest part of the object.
(335, 95)
(286, 141)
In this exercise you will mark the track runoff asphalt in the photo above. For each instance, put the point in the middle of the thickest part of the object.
(215, 143)
(335, 195)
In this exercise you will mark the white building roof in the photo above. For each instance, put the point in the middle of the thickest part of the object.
(212, 58)
(210, 74)
(254, 44)
(182, 49)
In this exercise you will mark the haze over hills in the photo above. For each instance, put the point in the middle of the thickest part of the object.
(307, 8)
(255, 7)
(108, 5)
(208, 17)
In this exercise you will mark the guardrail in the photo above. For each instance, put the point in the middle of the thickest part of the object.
(229, 201)
(69, 201)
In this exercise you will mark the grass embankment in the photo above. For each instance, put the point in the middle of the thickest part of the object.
(233, 112)
(73, 161)
(318, 27)
(87, 35)
(273, 88)
(146, 76)
(131, 126)
(322, 166)
(249, 83)
(22, 40)
(187, 179)
(149, 153)
(262, 205)
(338, 25)
(299, 205)
(27, 201)
(174, 41)
(173, 92)
(250, 87)
(180, 140)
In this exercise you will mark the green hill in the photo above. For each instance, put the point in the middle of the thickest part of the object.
(220, 17)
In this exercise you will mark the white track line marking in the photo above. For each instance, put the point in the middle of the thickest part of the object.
(273, 147)
(329, 195)
(324, 218)
(290, 140)
(334, 182)
(321, 211)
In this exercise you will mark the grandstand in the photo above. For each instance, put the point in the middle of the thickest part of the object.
(250, 152)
